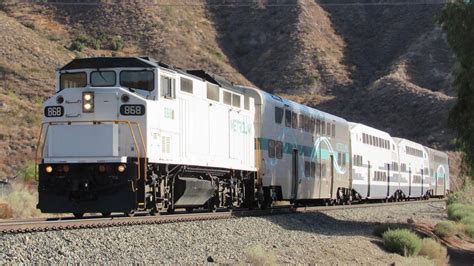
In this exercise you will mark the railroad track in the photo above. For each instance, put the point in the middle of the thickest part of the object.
(68, 223)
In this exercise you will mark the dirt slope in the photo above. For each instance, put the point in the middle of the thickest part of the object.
(383, 65)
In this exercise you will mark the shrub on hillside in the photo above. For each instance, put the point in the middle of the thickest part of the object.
(27, 172)
(382, 228)
(435, 251)
(469, 229)
(20, 202)
(468, 220)
(116, 44)
(458, 211)
(402, 241)
(77, 46)
(445, 228)
(464, 195)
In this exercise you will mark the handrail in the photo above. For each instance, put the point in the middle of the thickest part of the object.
(42, 140)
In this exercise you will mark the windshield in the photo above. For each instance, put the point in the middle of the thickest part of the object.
(73, 80)
(142, 80)
(103, 78)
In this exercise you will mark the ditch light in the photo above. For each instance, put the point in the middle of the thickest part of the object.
(87, 102)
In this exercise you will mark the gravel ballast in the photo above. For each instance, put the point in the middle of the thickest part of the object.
(330, 237)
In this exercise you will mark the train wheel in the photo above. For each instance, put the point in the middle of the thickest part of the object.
(106, 214)
(78, 214)
(130, 213)
(170, 210)
(189, 210)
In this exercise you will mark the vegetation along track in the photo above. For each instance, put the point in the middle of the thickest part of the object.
(65, 223)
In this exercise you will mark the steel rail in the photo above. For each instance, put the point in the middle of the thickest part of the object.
(68, 223)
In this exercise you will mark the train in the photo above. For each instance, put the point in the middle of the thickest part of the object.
(132, 134)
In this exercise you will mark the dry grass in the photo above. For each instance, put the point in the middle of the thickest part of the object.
(446, 229)
(434, 251)
(20, 203)
(382, 228)
(257, 255)
(402, 241)
(5, 211)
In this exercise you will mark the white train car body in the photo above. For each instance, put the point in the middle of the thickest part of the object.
(302, 153)
(146, 119)
(439, 172)
(374, 162)
(179, 125)
(414, 173)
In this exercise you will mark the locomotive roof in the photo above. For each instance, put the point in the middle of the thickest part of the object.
(111, 62)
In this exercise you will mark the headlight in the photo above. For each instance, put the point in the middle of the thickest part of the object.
(87, 96)
(48, 169)
(88, 102)
(121, 168)
(59, 99)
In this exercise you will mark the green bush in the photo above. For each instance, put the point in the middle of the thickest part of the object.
(27, 172)
(445, 228)
(77, 46)
(402, 241)
(458, 211)
(464, 195)
(469, 229)
(29, 24)
(116, 44)
(382, 228)
(468, 220)
(435, 251)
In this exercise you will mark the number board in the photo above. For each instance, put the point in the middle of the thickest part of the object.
(53, 111)
(132, 109)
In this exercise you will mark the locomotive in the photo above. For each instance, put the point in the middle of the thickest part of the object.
(127, 134)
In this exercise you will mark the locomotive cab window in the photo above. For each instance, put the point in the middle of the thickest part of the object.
(73, 80)
(140, 80)
(103, 78)
(168, 89)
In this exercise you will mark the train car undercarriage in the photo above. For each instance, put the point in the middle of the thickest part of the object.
(116, 187)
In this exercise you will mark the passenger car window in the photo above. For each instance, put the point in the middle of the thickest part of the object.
(279, 149)
(288, 118)
(73, 80)
(294, 120)
(271, 148)
(278, 115)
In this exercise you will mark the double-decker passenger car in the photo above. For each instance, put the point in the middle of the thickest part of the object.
(303, 153)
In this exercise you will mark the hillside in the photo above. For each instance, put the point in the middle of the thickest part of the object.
(386, 66)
